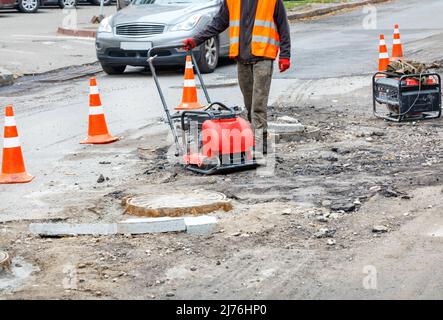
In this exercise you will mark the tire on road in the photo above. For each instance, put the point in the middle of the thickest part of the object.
(28, 6)
(97, 2)
(67, 4)
(111, 70)
(210, 53)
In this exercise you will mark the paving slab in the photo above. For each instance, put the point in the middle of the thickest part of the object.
(66, 229)
(202, 225)
(151, 225)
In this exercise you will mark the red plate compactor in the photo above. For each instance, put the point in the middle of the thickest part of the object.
(215, 139)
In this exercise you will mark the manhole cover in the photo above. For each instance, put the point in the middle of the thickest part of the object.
(5, 261)
(178, 204)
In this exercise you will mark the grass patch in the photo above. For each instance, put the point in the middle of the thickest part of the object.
(296, 3)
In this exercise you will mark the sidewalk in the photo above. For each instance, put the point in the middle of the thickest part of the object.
(30, 44)
(319, 9)
(87, 29)
(33, 44)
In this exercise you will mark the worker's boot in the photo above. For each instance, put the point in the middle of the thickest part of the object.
(265, 143)
(260, 149)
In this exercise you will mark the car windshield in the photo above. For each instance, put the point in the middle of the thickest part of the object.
(165, 2)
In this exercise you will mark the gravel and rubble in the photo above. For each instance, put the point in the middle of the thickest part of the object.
(330, 199)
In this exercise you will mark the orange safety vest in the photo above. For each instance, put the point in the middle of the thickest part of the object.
(265, 37)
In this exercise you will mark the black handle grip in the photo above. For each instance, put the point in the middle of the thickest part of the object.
(195, 112)
(221, 105)
(173, 46)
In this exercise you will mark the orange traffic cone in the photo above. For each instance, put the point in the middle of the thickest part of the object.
(397, 49)
(98, 130)
(383, 56)
(13, 166)
(189, 99)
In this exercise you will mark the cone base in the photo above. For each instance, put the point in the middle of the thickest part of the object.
(10, 178)
(100, 139)
(189, 106)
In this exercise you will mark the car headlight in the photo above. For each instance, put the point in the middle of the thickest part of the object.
(105, 25)
(187, 24)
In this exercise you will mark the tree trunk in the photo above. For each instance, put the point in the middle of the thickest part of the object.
(121, 4)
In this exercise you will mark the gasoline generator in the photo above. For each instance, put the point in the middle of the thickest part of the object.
(409, 97)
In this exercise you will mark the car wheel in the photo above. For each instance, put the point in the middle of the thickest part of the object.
(113, 69)
(209, 53)
(68, 4)
(28, 6)
(97, 2)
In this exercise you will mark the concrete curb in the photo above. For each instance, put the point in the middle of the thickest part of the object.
(6, 77)
(201, 225)
(151, 225)
(323, 11)
(286, 128)
(77, 32)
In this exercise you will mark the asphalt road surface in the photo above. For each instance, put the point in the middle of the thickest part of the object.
(29, 43)
(52, 118)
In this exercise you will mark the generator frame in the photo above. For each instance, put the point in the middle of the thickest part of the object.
(406, 116)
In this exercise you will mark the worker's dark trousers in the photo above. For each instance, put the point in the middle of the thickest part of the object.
(255, 82)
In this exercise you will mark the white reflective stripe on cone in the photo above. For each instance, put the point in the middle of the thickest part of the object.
(93, 111)
(11, 142)
(396, 31)
(397, 41)
(10, 122)
(384, 55)
(189, 83)
(93, 90)
(189, 65)
(382, 42)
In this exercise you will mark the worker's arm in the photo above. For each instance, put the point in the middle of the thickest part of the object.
(219, 24)
(284, 32)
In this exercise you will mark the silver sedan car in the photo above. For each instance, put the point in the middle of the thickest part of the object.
(125, 38)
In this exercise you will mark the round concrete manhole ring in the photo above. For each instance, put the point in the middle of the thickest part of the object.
(5, 261)
(177, 204)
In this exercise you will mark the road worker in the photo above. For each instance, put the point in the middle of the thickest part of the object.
(258, 30)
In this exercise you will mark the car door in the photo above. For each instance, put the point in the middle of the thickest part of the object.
(7, 3)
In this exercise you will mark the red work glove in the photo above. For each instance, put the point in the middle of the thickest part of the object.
(284, 64)
(189, 44)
